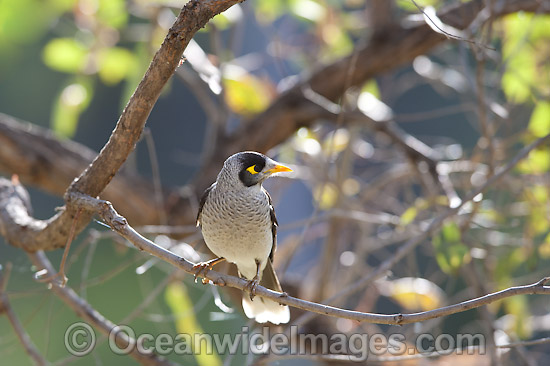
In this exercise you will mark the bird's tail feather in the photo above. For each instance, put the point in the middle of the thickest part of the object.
(264, 310)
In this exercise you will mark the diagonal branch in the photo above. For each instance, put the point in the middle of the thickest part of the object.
(121, 226)
(52, 233)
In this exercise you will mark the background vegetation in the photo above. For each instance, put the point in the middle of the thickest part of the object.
(391, 112)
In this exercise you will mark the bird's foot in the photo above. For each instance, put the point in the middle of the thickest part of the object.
(204, 268)
(251, 286)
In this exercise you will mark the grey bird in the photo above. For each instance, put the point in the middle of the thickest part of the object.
(238, 224)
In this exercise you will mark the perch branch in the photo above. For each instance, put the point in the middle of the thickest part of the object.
(121, 226)
(12, 203)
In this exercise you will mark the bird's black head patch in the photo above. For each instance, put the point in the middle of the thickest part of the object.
(251, 164)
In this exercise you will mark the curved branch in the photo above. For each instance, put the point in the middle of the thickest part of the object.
(120, 225)
(41, 159)
(51, 234)
(14, 213)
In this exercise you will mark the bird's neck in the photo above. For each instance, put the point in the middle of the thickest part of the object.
(229, 184)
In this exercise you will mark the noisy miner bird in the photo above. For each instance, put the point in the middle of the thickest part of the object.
(239, 225)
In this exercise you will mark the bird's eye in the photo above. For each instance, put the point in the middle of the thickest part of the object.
(254, 169)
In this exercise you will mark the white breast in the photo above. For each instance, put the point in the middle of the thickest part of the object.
(237, 226)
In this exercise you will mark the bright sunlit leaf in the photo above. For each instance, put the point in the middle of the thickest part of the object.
(246, 94)
(71, 102)
(336, 141)
(520, 76)
(115, 64)
(537, 197)
(337, 40)
(451, 253)
(113, 13)
(539, 124)
(181, 305)
(268, 10)
(308, 9)
(525, 49)
(326, 195)
(65, 54)
(537, 162)
(544, 248)
(409, 215)
(371, 87)
(518, 308)
(414, 294)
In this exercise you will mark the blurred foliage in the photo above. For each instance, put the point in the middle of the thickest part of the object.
(182, 307)
(526, 49)
(505, 236)
(450, 252)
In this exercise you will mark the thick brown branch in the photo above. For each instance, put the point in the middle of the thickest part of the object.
(41, 159)
(52, 233)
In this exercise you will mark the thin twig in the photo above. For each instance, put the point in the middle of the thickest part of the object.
(406, 248)
(44, 277)
(22, 335)
(93, 317)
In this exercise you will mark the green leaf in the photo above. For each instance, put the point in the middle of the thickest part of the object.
(537, 162)
(268, 10)
(326, 195)
(451, 253)
(525, 49)
(246, 94)
(371, 87)
(308, 9)
(71, 102)
(65, 54)
(338, 42)
(517, 306)
(23, 21)
(537, 198)
(544, 248)
(181, 306)
(113, 13)
(115, 64)
(539, 125)
(409, 215)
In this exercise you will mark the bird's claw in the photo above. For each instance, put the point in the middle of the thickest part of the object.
(251, 286)
(204, 268)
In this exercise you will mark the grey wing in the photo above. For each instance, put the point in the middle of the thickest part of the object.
(203, 200)
(274, 224)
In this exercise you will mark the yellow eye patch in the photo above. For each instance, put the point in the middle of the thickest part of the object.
(252, 169)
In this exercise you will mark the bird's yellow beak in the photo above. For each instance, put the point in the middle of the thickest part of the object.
(278, 169)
